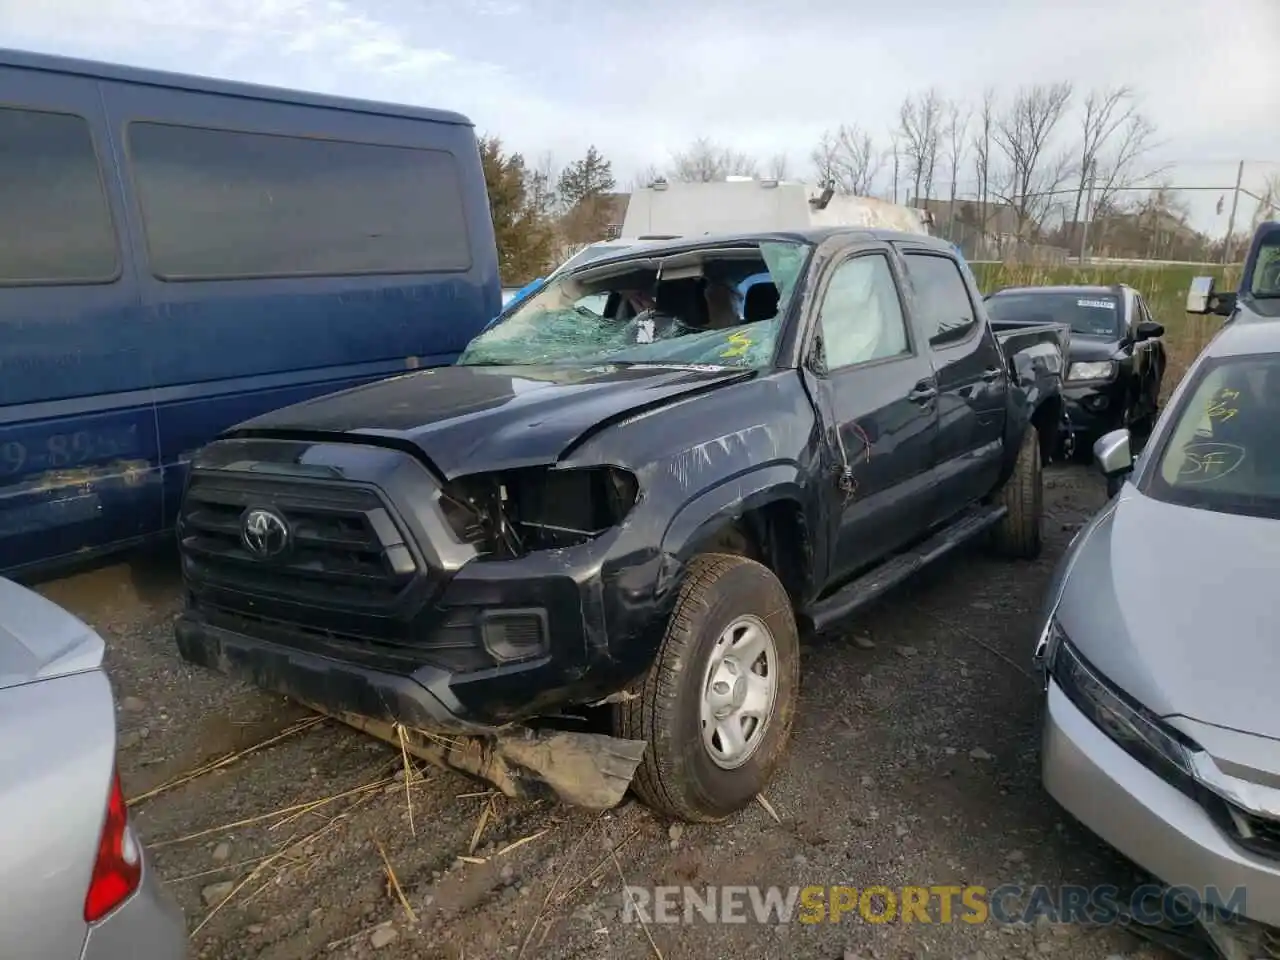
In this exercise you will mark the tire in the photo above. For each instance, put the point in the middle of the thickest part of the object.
(678, 776)
(1017, 535)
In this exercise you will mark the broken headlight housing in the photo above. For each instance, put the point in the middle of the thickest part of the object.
(511, 513)
(1131, 726)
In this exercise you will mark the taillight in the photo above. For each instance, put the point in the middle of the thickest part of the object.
(117, 871)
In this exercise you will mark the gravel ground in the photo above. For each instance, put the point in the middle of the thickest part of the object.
(913, 762)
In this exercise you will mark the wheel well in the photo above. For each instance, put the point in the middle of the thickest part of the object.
(1046, 418)
(774, 535)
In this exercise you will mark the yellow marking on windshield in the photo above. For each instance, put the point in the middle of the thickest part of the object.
(741, 344)
(1222, 407)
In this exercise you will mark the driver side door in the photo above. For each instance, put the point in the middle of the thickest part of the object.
(880, 398)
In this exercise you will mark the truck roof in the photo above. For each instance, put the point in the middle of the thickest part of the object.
(227, 88)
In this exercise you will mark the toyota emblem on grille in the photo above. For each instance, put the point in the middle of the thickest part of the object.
(264, 532)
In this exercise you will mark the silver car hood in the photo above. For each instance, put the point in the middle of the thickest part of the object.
(1177, 606)
(39, 640)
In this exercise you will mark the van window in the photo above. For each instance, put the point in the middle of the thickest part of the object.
(220, 204)
(55, 224)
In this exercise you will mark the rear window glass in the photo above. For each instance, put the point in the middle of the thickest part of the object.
(223, 204)
(55, 224)
(1089, 314)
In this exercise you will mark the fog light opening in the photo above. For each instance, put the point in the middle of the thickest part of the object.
(512, 635)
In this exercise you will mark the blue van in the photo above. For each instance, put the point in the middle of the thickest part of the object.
(179, 254)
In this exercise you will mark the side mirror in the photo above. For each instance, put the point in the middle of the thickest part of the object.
(1148, 330)
(1202, 299)
(1200, 294)
(1111, 453)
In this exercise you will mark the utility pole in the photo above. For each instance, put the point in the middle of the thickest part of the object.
(1088, 211)
(1231, 219)
(895, 173)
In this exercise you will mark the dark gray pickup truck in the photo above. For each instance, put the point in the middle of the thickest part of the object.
(1258, 295)
(631, 493)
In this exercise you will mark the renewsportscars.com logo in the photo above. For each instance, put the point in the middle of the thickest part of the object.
(1009, 903)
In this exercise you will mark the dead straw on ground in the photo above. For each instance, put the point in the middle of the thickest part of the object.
(285, 850)
(626, 892)
(226, 760)
(395, 883)
(296, 809)
(555, 884)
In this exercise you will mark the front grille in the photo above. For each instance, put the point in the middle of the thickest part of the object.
(345, 551)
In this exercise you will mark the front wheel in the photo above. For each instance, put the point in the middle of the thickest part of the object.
(717, 706)
(1017, 535)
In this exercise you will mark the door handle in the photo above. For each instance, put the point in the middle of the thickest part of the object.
(991, 374)
(923, 393)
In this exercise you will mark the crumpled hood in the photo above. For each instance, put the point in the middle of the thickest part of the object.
(1177, 607)
(472, 419)
(40, 641)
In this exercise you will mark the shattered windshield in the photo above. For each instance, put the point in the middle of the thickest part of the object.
(1224, 451)
(681, 308)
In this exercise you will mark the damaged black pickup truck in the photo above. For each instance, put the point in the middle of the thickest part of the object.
(623, 504)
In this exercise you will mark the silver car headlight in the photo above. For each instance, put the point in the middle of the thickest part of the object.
(1101, 370)
(1133, 727)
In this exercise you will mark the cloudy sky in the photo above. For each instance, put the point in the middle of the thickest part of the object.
(641, 79)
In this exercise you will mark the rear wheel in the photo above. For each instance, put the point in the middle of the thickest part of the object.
(1017, 534)
(717, 706)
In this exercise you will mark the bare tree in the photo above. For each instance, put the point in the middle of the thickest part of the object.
(1024, 134)
(705, 161)
(541, 185)
(644, 177)
(1114, 136)
(919, 124)
(778, 165)
(983, 143)
(956, 129)
(1268, 200)
(847, 159)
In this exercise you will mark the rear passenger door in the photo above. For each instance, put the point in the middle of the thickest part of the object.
(972, 384)
(879, 395)
(77, 429)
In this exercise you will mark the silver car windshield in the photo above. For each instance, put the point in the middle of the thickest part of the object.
(718, 305)
(1224, 450)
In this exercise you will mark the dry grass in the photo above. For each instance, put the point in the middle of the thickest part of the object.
(1163, 287)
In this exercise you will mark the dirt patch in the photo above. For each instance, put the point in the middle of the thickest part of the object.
(913, 762)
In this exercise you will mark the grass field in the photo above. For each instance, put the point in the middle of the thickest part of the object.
(1163, 287)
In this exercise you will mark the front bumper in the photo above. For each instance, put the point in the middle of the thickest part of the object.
(1093, 408)
(440, 674)
(149, 924)
(1148, 820)
(379, 608)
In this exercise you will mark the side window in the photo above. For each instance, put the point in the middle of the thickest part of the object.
(941, 298)
(55, 223)
(221, 204)
(861, 315)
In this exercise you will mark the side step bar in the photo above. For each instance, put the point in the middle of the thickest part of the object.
(870, 586)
